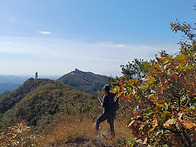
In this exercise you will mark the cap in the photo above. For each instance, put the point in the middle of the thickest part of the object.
(106, 87)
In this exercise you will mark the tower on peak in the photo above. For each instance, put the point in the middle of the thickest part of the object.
(36, 75)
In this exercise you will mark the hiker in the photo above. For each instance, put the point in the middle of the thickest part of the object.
(108, 113)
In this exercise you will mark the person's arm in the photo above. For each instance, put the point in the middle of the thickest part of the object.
(101, 102)
(105, 102)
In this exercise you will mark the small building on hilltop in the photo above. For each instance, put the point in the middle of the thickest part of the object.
(36, 75)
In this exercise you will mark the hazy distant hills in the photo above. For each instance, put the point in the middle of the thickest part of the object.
(9, 83)
(13, 79)
(4, 87)
(42, 101)
(85, 81)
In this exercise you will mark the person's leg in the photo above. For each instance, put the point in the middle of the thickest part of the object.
(100, 119)
(111, 123)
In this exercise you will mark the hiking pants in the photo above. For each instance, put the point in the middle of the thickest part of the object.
(110, 120)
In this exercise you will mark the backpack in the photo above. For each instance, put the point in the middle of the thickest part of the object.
(113, 103)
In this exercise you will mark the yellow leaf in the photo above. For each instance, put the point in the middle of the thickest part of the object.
(154, 123)
(169, 122)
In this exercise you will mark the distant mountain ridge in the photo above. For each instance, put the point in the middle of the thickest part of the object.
(13, 79)
(85, 81)
(9, 83)
(8, 87)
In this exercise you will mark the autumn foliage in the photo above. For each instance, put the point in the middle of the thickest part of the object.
(17, 135)
(163, 101)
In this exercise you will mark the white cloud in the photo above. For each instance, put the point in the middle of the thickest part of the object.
(44, 32)
(119, 45)
(58, 56)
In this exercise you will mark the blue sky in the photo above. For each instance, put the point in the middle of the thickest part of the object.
(53, 37)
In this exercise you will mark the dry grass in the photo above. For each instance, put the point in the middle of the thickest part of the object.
(79, 130)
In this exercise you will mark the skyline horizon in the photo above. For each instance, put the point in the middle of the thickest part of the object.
(44, 75)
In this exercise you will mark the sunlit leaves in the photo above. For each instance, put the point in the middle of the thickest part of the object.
(154, 124)
(18, 136)
(166, 100)
(169, 122)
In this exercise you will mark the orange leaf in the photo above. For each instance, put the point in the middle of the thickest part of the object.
(172, 66)
(131, 80)
(170, 114)
(184, 61)
(159, 105)
(121, 85)
(175, 76)
(154, 97)
(183, 110)
(153, 71)
(188, 124)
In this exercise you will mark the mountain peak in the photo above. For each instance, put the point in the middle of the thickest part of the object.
(84, 81)
(77, 71)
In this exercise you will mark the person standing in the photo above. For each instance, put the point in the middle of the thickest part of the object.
(108, 113)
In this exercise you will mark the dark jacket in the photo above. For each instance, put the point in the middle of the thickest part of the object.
(107, 102)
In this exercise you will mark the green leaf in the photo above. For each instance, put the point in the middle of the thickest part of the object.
(192, 107)
(158, 132)
(180, 57)
(148, 112)
(188, 67)
(152, 80)
(164, 116)
(166, 106)
(131, 141)
(146, 66)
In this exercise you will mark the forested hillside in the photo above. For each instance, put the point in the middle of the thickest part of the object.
(8, 100)
(41, 101)
(85, 81)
